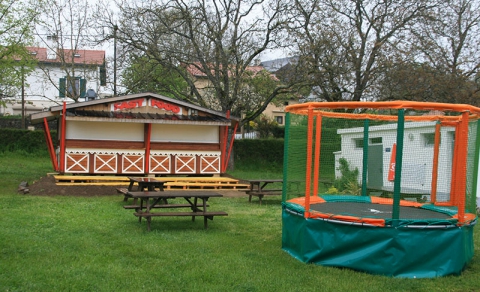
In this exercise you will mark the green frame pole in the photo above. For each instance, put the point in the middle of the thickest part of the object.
(285, 156)
(398, 167)
(366, 124)
(473, 201)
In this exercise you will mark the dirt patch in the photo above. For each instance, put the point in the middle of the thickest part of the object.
(46, 186)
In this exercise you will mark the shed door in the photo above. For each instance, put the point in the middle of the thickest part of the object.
(375, 166)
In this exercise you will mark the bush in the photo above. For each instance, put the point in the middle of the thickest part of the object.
(23, 140)
(348, 182)
(258, 152)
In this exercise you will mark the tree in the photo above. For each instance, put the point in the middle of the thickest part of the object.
(449, 44)
(341, 42)
(146, 75)
(220, 39)
(16, 20)
(65, 31)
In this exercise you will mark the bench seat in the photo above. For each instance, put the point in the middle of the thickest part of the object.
(262, 193)
(206, 215)
(162, 206)
(204, 185)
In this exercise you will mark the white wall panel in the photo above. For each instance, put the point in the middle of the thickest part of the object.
(104, 131)
(185, 133)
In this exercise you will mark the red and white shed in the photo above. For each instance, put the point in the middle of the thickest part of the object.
(138, 134)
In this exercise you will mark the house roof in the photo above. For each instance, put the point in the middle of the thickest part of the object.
(275, 65)
(86, 57)
(83, 110)
(194, 69)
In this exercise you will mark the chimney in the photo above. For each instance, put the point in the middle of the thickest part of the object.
(52, 44)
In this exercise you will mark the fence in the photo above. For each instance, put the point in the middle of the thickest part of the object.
(251, 135)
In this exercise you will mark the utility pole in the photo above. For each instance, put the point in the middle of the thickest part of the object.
(115, 28)
(23, 99)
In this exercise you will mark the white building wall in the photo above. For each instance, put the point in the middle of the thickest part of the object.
(41, 90)
(417, 157)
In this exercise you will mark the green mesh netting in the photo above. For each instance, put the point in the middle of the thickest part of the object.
(357, 157)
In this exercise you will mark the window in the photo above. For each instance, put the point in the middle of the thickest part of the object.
(73, 87)
(279, 120)
(428, 139)
(358, 143)
(103, 76)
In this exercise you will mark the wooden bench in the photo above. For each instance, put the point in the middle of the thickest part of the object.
(124, 191)
(262, 193)
(137, 207)
(204, 185)
(205, 215)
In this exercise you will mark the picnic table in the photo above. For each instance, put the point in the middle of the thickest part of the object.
(405, 192)
(143, 183)
(157, 200)
(257, 188)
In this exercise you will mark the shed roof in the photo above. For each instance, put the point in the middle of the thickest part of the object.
(82, 111)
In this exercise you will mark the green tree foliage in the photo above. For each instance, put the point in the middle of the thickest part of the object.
(264, 126)
(340, 42)
(348, 181)
(146, 75)
(219, 40)
(16, 22)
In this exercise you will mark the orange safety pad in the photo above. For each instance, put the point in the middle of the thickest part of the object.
(389, 201)
(301, 200)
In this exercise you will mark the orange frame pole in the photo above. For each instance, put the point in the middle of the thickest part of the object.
(461, 168)
(436, 151)
(308, 177)
(316, 167)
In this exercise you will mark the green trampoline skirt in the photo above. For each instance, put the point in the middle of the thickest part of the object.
(430, 245)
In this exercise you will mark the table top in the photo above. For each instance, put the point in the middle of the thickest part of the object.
(175, 194)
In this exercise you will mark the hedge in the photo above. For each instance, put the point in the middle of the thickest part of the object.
(258, 152)
(23, 140)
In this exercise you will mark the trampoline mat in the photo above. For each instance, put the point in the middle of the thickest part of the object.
(381, 211)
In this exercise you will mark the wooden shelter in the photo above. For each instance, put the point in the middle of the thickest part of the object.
(138, 134)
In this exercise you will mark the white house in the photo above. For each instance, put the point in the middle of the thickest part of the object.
(48, 84)
(418, 155)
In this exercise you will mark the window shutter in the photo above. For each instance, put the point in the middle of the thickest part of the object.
(62, 87)
(103, 76)
(83, 87)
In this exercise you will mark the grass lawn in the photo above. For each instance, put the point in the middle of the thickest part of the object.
(66, 243)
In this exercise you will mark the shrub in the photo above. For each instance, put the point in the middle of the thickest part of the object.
(347, 183)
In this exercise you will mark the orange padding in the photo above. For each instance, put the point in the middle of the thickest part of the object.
(356, 116)
(370, 221)
(301, 200)
(468, 217)
(388, 201)
(398, 104)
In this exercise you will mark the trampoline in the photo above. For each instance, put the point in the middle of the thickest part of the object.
(350, 224)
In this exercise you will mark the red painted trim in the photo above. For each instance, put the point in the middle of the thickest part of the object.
(63, 138)
(148, 136)
(48, 139)
(224, 146)
(230, 149)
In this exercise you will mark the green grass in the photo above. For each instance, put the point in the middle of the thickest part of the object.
(92, 244)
